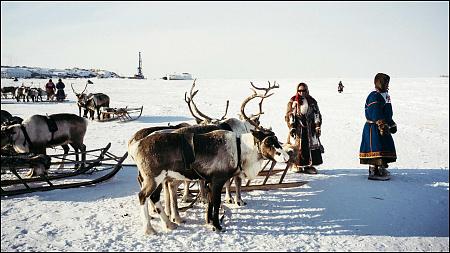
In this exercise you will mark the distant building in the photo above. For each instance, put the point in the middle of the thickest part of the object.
(175, 76)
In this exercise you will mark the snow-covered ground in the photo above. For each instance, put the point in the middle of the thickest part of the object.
(337, 210)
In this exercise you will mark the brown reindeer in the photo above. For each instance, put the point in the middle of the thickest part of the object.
(37, 133)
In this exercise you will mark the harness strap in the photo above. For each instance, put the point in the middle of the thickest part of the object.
(238, 143)
(27, 137)
(52, 127)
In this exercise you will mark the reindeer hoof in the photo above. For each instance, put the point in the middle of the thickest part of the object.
(187, 198)
(241, 203)
(217, 228)
(171, 226)
(149, 231)
(178, 220)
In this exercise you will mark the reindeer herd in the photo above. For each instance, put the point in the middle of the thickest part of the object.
(212, 152)
(24, 93)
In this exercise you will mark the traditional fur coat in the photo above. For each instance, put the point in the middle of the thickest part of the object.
(305, 118)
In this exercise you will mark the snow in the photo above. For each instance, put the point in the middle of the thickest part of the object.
(337, 210)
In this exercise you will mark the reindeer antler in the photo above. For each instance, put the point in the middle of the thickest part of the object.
(274, 86)
(195, 108)
(75, 91)
(244, 103)
(188, 101)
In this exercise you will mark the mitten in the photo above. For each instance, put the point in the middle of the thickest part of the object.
(318, 131)
(393, 128)
(382, 127)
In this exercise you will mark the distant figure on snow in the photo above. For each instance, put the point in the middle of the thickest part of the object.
(377, 146)
(60, 94)
(89, 81)
(304, 121)
(50, 89)
(340, 87)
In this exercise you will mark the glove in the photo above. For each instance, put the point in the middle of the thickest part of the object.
(292, 132)
(382, 127)
(393, 128)
(318, 131)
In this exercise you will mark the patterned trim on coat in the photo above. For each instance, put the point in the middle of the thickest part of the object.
(378, 154)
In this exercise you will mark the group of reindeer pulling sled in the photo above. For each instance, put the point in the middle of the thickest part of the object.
(213, 152)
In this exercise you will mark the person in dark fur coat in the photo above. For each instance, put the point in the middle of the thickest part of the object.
(377, 146)
(304, 121)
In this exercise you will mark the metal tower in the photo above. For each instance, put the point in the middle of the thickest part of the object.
(139, 74)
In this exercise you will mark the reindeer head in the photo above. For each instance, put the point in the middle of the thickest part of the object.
(82, 97)
(8, 134)
(268, 144)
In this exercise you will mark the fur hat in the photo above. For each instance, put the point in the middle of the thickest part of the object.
(381, 81)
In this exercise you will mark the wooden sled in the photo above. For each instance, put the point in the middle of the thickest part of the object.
(14, 180)
(265, 174)
(121, 114)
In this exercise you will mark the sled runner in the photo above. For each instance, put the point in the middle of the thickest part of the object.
(121, 114)
(93, 170)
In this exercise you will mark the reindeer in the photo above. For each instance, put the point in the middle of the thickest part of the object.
(94, 102)
(239, 126)
(90, 102)
(37, 133)
(39, 93)
(8, 89)
(215, 156)
(30, 93)
(20, 93)
(81, 97)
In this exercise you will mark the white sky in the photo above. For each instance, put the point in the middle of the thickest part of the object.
(231, 39)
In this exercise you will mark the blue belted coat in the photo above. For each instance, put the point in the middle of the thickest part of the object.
(375, 148)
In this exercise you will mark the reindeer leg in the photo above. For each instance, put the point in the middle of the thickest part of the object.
(77, 158)
(66, 151)
(83, 155)
(237, 198)
(146, 189)
(187, 196)
(155, 198)
(216, 194)
(228, 197)
(208, 213)
(202, 191)
(166, 187)
(174, 214)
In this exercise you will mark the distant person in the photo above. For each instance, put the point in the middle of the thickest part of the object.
(60, 94)
(50, 89)
(304, 121)
(340, 87)
(377, 145)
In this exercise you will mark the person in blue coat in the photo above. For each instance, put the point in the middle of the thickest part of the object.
(377, 146)
(60, 94)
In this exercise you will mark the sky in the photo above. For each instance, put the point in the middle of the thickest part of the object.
(230, 39)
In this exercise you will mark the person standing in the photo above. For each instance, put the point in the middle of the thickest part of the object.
(304, 121)
(60, 94)
(377, 145)
(340, 87)
(50, 89)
